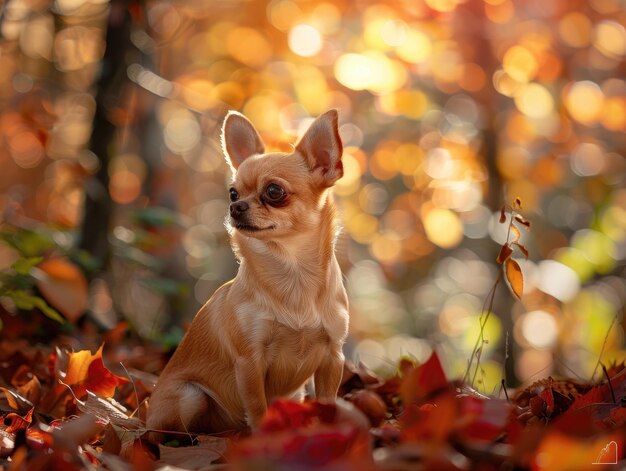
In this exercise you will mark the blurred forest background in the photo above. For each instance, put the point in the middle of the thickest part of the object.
(113, 185)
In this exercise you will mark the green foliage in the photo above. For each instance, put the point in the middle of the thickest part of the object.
(157, 217)
(17, 282)
(18, 285)
(166, 286)
(29, 243)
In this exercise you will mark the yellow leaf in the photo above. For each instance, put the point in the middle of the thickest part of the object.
(516, 233)
(515, 277)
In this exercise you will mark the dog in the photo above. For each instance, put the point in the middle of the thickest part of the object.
(283, 319)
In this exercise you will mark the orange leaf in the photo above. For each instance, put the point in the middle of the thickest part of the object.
(31, 390)
(560, 452)
(515, 277)
(86, 372)
(16, 423)
(63, 285)
(505, 253)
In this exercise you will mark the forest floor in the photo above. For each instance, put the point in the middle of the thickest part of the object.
(65, 407)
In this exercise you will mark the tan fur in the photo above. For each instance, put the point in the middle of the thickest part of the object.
(283, 319)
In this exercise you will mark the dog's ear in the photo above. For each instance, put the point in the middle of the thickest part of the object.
(321, 148)
(240, 139)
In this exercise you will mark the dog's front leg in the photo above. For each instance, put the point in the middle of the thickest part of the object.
(250, 377)
(328, 375)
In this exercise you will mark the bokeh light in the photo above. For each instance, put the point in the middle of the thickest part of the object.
(448, 110)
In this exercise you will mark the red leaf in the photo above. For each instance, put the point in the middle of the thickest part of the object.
(503, 215)
(284, 414)
(432, 422)
(315, 433)
(423, 380)
(505, 253)
(483, 419)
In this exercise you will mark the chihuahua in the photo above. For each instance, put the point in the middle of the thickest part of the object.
(283, 319)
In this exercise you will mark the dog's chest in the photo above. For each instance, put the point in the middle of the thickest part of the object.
(292, 356)
(285, 341)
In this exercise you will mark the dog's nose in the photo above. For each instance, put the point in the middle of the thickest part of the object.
(238, 208)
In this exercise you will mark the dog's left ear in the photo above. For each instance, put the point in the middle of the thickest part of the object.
(321, 148)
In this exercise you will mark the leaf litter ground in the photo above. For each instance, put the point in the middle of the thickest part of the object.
(67, 410)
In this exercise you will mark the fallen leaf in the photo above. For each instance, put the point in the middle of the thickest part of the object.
(483, 420)
(560, 452)
(72, 433)
(430, 423)
(15, 422)
(31, 391)
(63, 285)
(423, 380)
(109, 412)
(197, 457)
(17, 402)
(370, 404)
(514, 276)
(86, 372)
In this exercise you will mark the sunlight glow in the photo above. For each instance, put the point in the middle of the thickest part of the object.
(540, 329)
(305, 40)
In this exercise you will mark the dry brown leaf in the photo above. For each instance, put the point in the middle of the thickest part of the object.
(74, 432)
(515, 277)
(63, 285)
(17, 402)
(107, 411)
(31, 391)
(199, 457)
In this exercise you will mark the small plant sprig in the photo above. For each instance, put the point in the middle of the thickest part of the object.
(512, 270)
(509, 270)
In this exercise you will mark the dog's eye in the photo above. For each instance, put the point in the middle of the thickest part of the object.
(234, 196)
(274, 192)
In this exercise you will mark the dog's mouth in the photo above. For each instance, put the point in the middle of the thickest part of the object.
(240, 226)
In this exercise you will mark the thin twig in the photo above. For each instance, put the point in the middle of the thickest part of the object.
(606, 373)
(134, 388)
(506, 394)
(606, 337)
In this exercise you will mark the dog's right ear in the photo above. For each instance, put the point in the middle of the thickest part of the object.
(240, 139)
